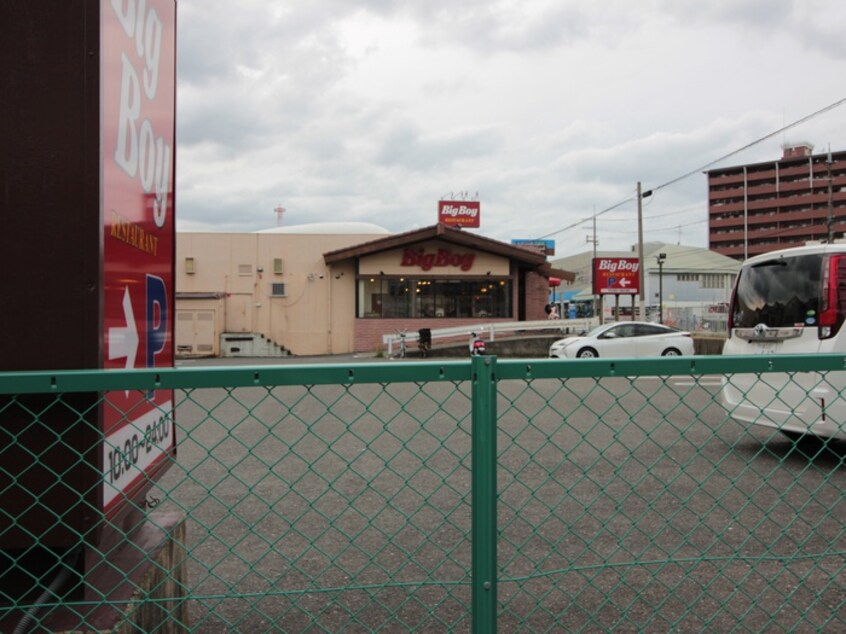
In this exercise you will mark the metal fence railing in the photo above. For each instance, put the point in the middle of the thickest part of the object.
(491, 330)
(529, 496)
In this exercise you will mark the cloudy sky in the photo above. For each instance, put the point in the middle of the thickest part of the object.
(550, 111)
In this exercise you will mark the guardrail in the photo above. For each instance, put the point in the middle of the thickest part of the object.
(491, 329)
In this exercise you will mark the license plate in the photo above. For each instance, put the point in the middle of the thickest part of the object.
(765, 347)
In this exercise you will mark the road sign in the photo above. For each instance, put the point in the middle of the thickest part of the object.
(546, 246)
(616, 276)
(138, 106)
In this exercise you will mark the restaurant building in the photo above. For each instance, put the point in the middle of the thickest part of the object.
(338, 288)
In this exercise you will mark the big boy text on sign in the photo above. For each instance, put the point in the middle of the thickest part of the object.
(616, 276)
(459, 213)
(138, 122)
(442, 258)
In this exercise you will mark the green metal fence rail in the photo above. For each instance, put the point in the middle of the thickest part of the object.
(482, 495)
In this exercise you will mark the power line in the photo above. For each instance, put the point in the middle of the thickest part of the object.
(753, 143)
(576, 224)
(668, 228)
(701, 169)
(674, 212)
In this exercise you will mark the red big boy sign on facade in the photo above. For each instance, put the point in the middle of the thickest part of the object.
(138, 178)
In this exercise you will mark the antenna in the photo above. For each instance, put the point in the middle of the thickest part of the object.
(280, 211)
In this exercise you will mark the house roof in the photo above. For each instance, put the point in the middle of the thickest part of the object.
(329, 228)
(527, 257)
(686, 258)
(679, 258)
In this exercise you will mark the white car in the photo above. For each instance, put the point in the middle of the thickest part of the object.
(790, 301)
(625, 339)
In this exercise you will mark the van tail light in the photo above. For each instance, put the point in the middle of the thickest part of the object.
(833, 296)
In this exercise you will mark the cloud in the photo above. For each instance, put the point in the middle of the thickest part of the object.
(552, 110)
(405, 146)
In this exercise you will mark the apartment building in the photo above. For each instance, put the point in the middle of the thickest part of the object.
(761, 207)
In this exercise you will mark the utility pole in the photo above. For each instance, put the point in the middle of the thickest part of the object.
(594, 241)
(660, 259)
(640, 196)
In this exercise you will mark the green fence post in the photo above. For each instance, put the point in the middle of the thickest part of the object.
(484, 526)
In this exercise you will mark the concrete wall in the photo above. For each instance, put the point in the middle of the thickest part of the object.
(537, 347)
(316, 314)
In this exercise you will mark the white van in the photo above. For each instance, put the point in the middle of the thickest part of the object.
(791, 301)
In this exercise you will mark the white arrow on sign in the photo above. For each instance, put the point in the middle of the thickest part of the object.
(624, 282)
(123, 342)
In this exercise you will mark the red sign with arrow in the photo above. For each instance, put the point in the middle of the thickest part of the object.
(138, 175)
(616, 276)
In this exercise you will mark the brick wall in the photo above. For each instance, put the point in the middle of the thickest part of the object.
(537, 296)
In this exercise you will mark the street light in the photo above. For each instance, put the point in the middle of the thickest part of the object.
(660, 259)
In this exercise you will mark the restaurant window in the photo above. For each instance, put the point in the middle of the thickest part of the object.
(391, 298)
(396, 301)
(370, 297)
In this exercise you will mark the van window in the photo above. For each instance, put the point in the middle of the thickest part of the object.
(781, 292)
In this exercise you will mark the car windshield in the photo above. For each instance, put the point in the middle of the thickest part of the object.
(778, 292)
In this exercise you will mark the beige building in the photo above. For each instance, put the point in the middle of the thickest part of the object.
(338, 288)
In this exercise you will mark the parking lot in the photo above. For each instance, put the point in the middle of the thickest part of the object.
(630, 502)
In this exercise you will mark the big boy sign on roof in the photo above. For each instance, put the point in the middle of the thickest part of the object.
(459, 213)
(138, 122)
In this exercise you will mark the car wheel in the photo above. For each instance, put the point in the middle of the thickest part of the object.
(671, 352)
(587, 353)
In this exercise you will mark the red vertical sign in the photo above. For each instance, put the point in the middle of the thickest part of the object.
(138, 95)
(616, 276)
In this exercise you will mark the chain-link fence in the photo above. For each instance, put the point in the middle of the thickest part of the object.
(422, 496)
